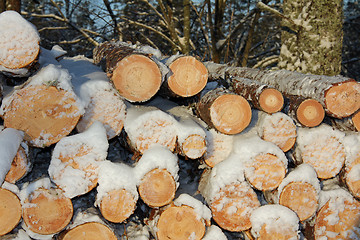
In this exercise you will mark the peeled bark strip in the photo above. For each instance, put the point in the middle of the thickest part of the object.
(102, 101)
(116, 193)
(45, 108)
(225, 111)
(262, 96)
(45, 209)
(189, 76)
(340, 96)
(186, 218)
(299, 191)
(274, 222)
(148, 126)
(19, 43)
(135, 74)
(10, 209)
(20, 165)
(338, 217)
(307, 112)
(322, 147)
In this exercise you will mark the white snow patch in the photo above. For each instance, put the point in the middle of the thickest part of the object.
(202, 211)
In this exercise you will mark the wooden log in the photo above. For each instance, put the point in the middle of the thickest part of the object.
(45, 209)
(338, 217)
(19, 43)
(214, 233)
(19, 235)
(274, 221)
(10, 209)
(10, 140)
(322, 148)
(101, 100)
(339, 95)
(299, 191)
(225, 111)
(349, 175)
(157, 174)
(265, 164)
(87, 226)
(185, 218)
(147, 126)
(135, 231)
(20, 165)
(75, 160)
(45, 108)
(305, 111)
(116, 193)
(262, 96)
(136, 74)
(188, 76)
(230, 198)
(351, 123)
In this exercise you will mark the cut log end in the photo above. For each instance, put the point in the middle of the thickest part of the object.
(89, 231)
(157, 188)
(310, 113)
(180, 223)
(45, 114)
(189, 76)
(271, 100)
(286, 232)
(117, 205)
(19, 167)
(343, 100)
(232, 210)
(301, 197)
(265, 172)
(194, 146)
(356, 120)
(137, 78)
(47, 213)
(10, 211)
(230, 113)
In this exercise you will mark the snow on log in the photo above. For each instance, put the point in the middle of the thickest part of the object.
(230, 198)
(305, 111)
(157, 176)
(136, 231)
(350, 174)
(45, 208)
(21, 164)
(10, 209)
(10, 140)
(322, 147)
(262, 96)
(101, 100)
(188, 76)
(146, 126)
(299, 191)
(339, 95)
(277, 128)
(45, 107)
(87, 225)
(116, 193)
(265, 164)
(338, 217)
(135, 73)
(185, 218)
(75, 160)
(214, 233)
(19, 235)
(19, 44)
(274, 221)
(225, 111)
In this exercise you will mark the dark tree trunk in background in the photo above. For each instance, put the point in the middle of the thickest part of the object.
(10, 5)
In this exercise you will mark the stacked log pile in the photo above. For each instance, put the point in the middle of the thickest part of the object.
(136, 145)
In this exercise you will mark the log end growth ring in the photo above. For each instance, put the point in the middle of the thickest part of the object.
(137, 78)
(230, 113)
(343, 99)
(89, 231)
(310, 113)
(194, 146)
(189, 76)
(10, 211)
(356, 120)
(271, 100)
(19, 166)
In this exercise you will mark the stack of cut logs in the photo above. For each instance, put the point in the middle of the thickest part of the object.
(278, 152)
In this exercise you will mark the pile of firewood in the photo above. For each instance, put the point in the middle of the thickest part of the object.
(277, 153)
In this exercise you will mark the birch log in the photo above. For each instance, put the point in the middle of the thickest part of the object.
(20, 165)
(136, 74)
(339, 95)
(349, 175)
(351, 123)
(10, 208)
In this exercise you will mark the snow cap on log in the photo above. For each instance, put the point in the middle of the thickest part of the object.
(202, 211)
(214, 233)
(75, 159)
(19, 43)
(10, 140)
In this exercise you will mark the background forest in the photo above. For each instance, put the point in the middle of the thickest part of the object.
(237, 32)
